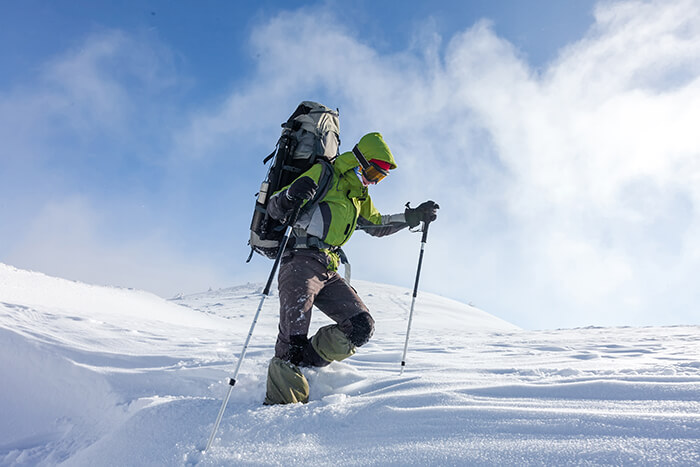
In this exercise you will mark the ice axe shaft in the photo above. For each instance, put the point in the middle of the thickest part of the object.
(265, 293)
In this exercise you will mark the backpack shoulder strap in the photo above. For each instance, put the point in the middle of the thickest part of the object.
(325, 180)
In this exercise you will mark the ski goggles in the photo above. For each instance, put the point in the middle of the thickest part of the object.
(373, 170)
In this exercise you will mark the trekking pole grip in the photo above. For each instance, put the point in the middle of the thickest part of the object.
(425, 233)
(295, 215)
(426, 225)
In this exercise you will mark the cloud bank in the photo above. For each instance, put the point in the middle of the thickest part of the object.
(569, 193)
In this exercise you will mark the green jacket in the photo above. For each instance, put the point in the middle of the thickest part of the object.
(346, 205)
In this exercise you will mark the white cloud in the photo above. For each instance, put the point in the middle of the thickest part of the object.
(92, 92)
(594, 155)
(586, 175)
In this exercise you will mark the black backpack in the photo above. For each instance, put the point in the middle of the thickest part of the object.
(310, 135)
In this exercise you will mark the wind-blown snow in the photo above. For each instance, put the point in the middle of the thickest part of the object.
(107, 376)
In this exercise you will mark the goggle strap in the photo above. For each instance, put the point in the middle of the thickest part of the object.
(360, 157)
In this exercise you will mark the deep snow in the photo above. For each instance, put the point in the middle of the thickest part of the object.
(107, 376)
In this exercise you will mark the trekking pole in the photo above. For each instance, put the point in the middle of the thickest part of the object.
(415, 293)
(265, 293)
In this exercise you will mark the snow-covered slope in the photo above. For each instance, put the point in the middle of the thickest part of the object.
(106, 376)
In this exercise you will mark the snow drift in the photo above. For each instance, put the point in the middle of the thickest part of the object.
(107, 376)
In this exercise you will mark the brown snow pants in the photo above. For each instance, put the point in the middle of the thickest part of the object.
(305, 281)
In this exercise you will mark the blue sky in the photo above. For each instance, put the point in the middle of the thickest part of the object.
(558, 137)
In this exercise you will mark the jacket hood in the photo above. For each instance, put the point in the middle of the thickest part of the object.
(372, 145)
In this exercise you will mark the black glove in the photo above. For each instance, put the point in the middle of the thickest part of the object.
(302, 189)
(425, 212)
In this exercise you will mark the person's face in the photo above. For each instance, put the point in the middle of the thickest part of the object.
(373, 174)
(366, 182)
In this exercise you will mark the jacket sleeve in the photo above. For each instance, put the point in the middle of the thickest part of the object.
(377, 225)
(279, 207)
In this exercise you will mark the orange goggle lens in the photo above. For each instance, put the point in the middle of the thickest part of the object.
(373, 173)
